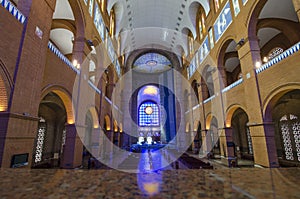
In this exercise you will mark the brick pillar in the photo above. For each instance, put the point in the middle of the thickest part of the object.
(73, 148)
(21, 122)
(229, 156)
(205, 146)
(4, 117)
(264, 147)
(263, 143)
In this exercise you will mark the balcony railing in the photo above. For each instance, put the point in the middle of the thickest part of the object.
(91, 84)
(62, 57)
(279, 58)
(209, 99)
(10, 7)
(238, 82)
(94, 87)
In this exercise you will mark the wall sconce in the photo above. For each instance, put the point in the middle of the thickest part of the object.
(76, 64)
(258, 64)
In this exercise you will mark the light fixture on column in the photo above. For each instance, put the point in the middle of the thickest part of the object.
(258, 64)
(76, 64)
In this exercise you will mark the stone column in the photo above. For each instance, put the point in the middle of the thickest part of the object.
(228, 144)
(263, 143)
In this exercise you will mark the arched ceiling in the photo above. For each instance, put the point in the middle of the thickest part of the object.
(151, 22)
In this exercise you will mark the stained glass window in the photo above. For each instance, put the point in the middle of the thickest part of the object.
(148, 114)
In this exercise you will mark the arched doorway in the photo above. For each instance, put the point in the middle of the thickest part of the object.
(242, 140)
(229, 63)
(213, 142)
(286, 118)
(86, 155)
(149, 115)
(51, 133)
(197, 139)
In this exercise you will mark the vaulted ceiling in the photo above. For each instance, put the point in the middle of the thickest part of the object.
(156, 23)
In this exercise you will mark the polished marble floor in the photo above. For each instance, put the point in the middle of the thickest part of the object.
(185, 183)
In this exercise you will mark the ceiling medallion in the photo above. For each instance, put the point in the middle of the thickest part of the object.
(151, 63)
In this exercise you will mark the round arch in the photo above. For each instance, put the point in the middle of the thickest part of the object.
(107, 123)
(95, 118)
(274, 96)
(116, 126)
(283, 111)
(65, 96)
(138, 53)
(228, 62)
(3, 96)
(187, 127)
(230, 111)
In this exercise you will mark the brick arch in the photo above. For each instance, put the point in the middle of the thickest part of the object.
(253, 18)
(289, 28)
(107, 123)
(80, 30)
(3, 96)
(187, 127)
(221, 59)
(116, 126)
(230, 112)
(121, 127)
(95, 118)
(196, 125)
(274, 96)
(66, 98)
(5, 87)
(209, 118)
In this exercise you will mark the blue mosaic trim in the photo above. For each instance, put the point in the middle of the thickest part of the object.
(62, 57)
(66, 61)
(238, 82)
(94, 87)
(10, 7)
(209, 99)
(195, 107)
(279, 58)
(108, 100)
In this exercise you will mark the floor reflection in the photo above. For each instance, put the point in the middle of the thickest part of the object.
(113, 184)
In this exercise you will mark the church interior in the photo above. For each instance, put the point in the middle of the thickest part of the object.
(149, 99)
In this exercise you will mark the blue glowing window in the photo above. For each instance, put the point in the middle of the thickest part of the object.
(148, 114)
